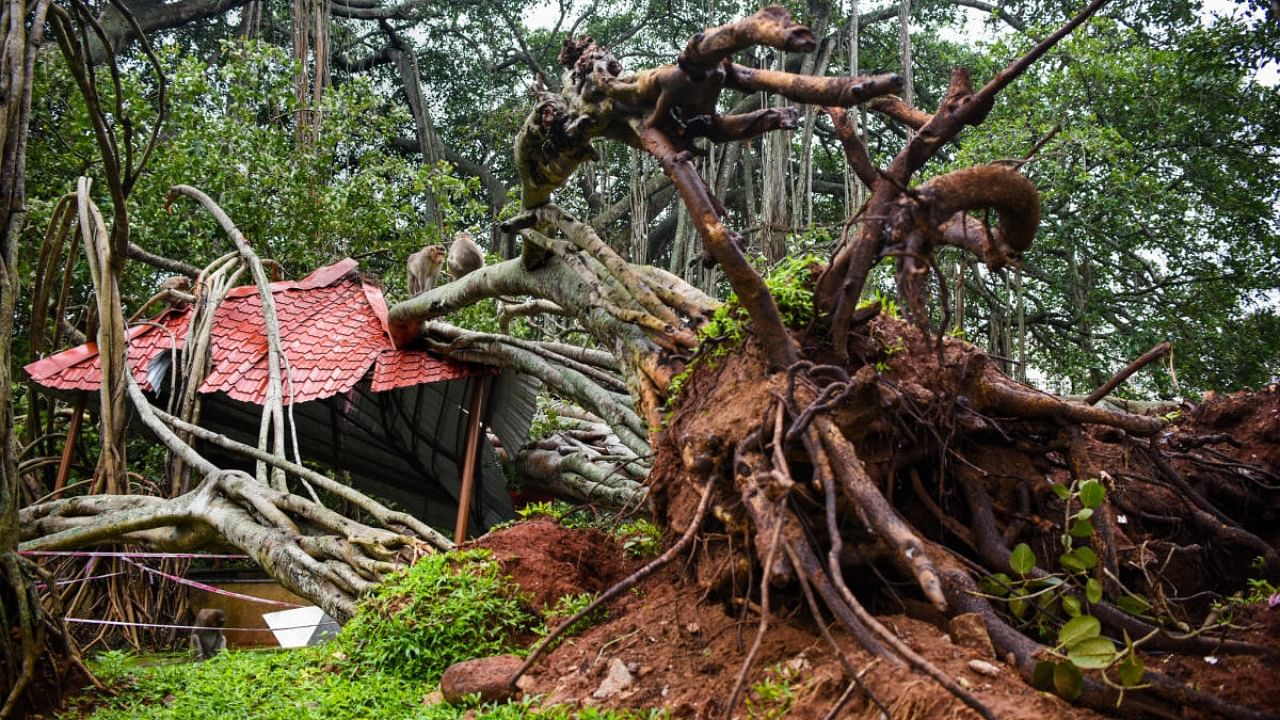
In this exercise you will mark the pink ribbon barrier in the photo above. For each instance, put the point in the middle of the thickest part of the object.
(210, 588)
(108, 553)
(160, 626)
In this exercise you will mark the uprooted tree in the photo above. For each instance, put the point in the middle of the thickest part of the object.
(781, 421)
(791, 421)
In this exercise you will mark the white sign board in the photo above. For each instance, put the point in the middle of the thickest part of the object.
(301, 626)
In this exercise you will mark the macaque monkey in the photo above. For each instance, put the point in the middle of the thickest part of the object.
(207, 640)
(424, 268)
(465, 256)
(181, 283)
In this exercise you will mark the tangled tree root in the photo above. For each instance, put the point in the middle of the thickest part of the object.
(865, 469)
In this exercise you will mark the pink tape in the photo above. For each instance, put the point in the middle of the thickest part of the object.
(41, 586)
(158, 626)
(210, 588)
(106, 553)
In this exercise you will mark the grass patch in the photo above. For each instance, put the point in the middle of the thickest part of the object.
(284, 685)
(301, 684)
(444, 609)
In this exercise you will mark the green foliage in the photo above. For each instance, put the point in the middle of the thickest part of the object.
(567, 606)
(888, 304)
(546, 422)
(284, 685)
(791, 282)
(771, 698)
(554, 509)
(1160, 197)
(231, 132)
(444, 609)
(112, 666)
(639, 537)
(1041, 599)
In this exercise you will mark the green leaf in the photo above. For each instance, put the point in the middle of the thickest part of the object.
(1093, 590)
(1042, 675)
(998, 584)
(1082, 559)
(1084, 514)
(1018, 607)
(1131, 670)
(1077, 629)
(1062, 491)
(1091, 494)
(1081, 528)
(1071, 605)
(1093, 653)
(1134, 604)
(1022, 559)
(1067, 681)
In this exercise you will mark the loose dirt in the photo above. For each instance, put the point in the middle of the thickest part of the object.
(670, 644)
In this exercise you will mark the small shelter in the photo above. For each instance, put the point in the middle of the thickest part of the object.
(396, 421)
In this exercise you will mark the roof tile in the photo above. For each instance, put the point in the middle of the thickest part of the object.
(333, 330)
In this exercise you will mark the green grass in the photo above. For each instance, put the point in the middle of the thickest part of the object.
(295, 685)
(285, 685)
(444, 609)
(387, 659)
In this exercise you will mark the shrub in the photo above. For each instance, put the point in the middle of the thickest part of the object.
(444, 609)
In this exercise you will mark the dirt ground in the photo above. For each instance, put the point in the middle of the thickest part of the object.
(667, 644)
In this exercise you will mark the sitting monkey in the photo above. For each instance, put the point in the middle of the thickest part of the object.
(465, 256)
(424, 268)
(207, 639)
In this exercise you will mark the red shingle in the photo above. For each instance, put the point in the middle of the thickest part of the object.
(333, 329)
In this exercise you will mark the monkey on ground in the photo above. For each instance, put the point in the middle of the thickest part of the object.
(424, 268)
(207, 639)
(465, 256)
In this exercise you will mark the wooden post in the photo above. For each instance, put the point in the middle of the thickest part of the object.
(471, 460)
(68, 449)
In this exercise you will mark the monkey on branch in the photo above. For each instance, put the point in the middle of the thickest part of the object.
(424, 266)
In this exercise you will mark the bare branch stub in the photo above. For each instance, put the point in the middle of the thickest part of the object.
(664, 110)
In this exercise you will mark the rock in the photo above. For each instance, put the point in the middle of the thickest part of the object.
(982, 667)
(486, 677)
(618, 679)
(969, 631)
(798, 665)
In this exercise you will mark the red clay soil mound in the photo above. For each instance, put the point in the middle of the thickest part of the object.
(670, 644)
(684, 655)
(549, 561)
(1250, 418)
(665, 645)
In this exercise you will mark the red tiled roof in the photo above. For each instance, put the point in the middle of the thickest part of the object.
(402, 368)
(333, 329)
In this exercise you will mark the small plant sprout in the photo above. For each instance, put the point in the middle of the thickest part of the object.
(1041, 599)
